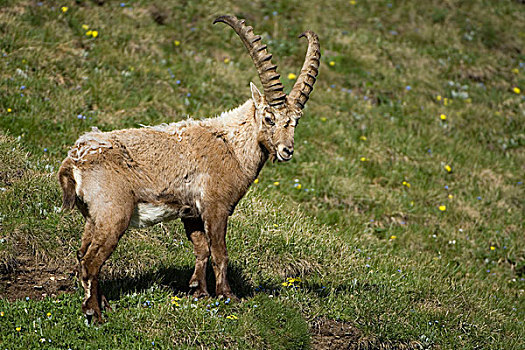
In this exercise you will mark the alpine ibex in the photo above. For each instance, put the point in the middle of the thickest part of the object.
(196, 170)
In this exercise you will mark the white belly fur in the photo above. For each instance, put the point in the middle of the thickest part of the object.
(147, 214)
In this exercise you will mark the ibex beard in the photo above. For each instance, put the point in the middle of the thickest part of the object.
(193, 170)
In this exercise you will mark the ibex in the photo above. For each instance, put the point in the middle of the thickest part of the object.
(196, 170)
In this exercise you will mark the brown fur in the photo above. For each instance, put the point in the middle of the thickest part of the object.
(199, 170)
(193, 170)
(65, 177)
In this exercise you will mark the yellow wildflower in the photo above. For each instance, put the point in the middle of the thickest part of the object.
(64, 9)
(174, 300)
(363, 159)
(448, 168)
(232, 317)
(18, 329)
(226, 60)
(352, 2)
(2, 314)
(323, 119)
(9, 110)
(450, 196)
(256, 181)
(275, 225)
(516, 71)
(292, 76)
(89, 32)
(492, 248)
(85, 27)
(438, 97)
(362, 138)
(298, 186)
(393, 237)
(94, 34)
(407, 184)
(276, 183)
(332, 63)
(48, 314)
(290, 282)
(443, 117)
(176, 43)
(442, 207)
(516, 90)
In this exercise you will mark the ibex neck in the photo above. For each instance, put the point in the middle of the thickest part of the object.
(240, 130)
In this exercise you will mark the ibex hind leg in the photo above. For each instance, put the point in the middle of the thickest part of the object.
(195, 232)
(86, 238)
(106, 233)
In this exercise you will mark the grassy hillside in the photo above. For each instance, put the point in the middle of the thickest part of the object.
(398, 224)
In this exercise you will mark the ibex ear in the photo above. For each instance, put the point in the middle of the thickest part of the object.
(256, 95)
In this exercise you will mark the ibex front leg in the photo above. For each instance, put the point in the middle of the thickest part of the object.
(201, 248)
(216, 230)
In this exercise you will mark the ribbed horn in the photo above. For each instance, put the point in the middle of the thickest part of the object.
(305, 83)
(273, 88)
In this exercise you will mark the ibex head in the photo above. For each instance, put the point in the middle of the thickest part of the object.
(277, 113)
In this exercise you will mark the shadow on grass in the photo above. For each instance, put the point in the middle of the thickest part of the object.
(324, 290)
(351, 287)
(175, 278)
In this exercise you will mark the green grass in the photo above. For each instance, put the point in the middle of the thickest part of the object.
(369, 250)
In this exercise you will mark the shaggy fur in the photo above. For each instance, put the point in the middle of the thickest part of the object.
(193, 170)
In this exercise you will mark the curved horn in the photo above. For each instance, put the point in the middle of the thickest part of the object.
(273, 88)
(305, 83)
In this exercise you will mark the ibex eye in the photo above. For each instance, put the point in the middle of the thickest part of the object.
(269, 120)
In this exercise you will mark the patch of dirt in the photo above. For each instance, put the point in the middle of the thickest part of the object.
(333, 335)
(36, 280)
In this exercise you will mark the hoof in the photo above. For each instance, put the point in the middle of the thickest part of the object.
(89, 316)
(92, 316)
(200, 294)
(194, 284)
(230, 296)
